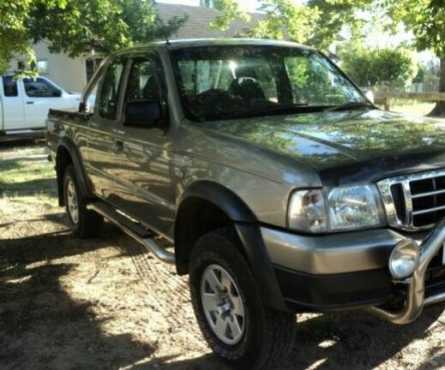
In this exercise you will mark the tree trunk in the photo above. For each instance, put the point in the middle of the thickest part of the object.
(439, 109)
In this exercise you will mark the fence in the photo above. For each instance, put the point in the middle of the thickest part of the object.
(383, 97)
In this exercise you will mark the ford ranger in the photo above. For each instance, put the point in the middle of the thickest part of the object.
(260, 170)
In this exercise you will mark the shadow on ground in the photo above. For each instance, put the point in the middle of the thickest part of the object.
(34, 301)
(43, 327)
(8, 142)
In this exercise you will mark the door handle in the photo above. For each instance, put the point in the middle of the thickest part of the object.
(118, 146)
(29, 102)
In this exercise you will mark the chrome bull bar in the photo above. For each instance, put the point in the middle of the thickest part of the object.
(415, 301)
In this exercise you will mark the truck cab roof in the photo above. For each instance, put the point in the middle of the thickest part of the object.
(202, 42)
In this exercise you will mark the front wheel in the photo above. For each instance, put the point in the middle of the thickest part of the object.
(230, 311)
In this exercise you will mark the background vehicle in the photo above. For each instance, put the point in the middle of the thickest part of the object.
(260, 170)
(24, 103)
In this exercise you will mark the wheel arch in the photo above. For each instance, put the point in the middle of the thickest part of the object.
(206, 206)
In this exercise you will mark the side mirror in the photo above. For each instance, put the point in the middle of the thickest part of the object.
(143, 113)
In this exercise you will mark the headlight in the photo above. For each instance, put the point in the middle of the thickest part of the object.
(353, 207)
(339, 209)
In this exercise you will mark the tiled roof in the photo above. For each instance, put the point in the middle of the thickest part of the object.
(198, 19)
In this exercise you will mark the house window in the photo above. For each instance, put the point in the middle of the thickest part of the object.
(208, 4)
(42, 67)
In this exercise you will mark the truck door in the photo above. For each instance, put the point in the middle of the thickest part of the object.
(39, 96)
(12, 103)
(146, 192)
(102, 157)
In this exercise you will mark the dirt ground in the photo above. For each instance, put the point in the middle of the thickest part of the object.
(106, 304)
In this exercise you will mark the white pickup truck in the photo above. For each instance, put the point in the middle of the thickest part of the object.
(25, 102)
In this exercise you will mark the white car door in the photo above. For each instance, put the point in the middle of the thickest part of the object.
(41, 95)
(12, 103)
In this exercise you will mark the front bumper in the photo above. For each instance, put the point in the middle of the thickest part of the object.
(416, 298)
(351, 270)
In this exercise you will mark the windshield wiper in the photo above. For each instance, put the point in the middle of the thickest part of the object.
(350, 105)
(256, 111)
(288, 108)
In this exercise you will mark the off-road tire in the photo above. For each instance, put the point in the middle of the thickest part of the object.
(89, 223)
(269, 334)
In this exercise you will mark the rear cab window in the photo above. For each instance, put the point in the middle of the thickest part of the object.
(10, 86)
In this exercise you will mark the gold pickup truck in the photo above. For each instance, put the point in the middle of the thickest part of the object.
(262, 171)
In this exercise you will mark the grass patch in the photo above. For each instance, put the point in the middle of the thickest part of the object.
(409, 106)
(27, 176)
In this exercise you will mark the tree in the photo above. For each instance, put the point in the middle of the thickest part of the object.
(334, 15)
(370, 67)
(315, 22)
(13, 31)
(425, 18)
(79, 26)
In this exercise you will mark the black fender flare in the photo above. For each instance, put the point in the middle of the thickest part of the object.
(230, 203)
(248, 230)
(67, 144)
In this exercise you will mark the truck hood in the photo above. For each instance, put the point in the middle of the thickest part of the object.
(346, 146)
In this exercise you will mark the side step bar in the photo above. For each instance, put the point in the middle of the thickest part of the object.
(134, 230)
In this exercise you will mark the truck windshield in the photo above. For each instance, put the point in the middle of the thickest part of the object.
(224, 82)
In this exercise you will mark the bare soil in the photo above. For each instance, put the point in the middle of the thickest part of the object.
(105, 303)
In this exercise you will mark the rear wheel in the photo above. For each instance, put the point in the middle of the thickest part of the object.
(84, 222)
(236, 323)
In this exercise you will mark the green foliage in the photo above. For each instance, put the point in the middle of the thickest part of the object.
(13, 30)
(231, 11)
(370, 67)
(286, 19)
(316, 22)
(425, 18)
(78, 26)
(420, 76)
(333, 16)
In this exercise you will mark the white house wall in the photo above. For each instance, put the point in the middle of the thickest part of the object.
(69, 73)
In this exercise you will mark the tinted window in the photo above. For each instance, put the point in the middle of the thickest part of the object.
(10, 86)
(142, 82)
(40, 88)
(109, 96)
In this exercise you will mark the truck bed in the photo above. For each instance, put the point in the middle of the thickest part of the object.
(69, 115)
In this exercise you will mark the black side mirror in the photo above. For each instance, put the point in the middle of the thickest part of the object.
(143, 113)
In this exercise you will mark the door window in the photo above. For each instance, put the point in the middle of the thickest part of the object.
(40, 88)
(109, 96)
(10, 86)
(142, 82)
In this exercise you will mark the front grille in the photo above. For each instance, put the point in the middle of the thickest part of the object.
(415, 202)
